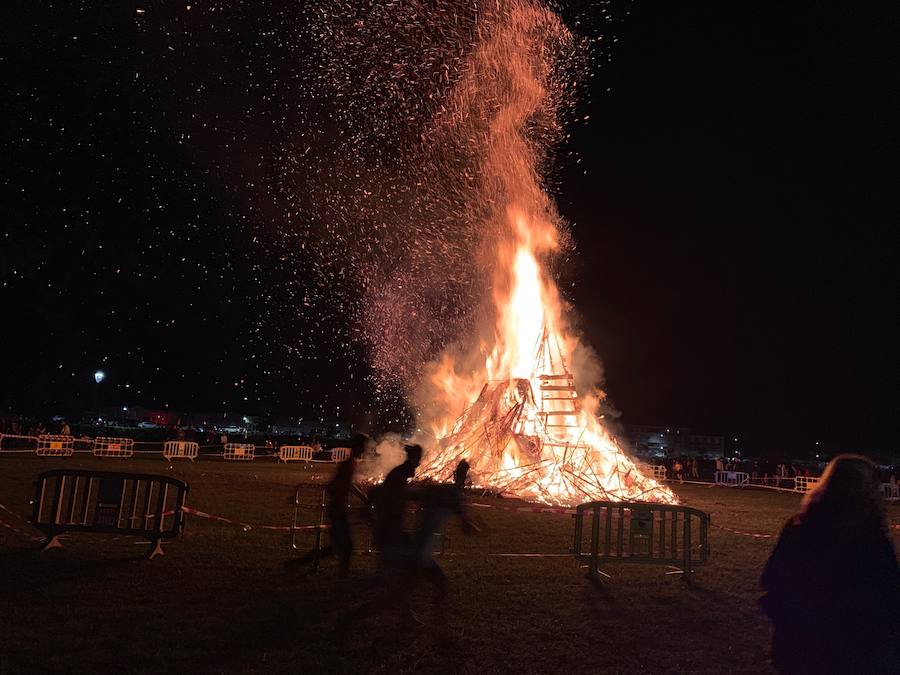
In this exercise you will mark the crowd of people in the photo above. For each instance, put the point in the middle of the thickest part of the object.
(20, 425)
(774, 472)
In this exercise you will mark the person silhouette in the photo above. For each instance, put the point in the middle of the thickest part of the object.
(389, 501)
(389, 535)
(337, 506)
(337, 510)
(440, 502)
(832, 582)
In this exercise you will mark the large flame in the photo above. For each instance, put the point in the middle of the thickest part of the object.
(517, 417)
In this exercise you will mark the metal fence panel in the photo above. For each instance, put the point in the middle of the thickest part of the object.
(113, 447)
(732, 478)
(55, 445)
(239, 451)
(181, 450)
(637, 532)
(295, 453)
(106, 502)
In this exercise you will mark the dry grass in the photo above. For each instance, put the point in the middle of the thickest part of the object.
(221, 601)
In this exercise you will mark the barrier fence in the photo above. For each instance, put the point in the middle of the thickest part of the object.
(181, 450)
(51, 445)
(339, 455)
(732, 478)
(239, 451)
(295, 453)
(59, 445)
(106, 502)
(805, 483)
(657, 471)
(113, 447)
(638, 532)
(13, 442)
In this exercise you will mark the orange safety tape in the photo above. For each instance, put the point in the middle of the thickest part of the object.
(249, 526)
(757, 535)
(20, 532)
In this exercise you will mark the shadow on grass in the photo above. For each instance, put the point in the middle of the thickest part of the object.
(305, 620)
(31, 568)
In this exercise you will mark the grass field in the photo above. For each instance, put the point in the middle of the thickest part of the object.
(220, 600)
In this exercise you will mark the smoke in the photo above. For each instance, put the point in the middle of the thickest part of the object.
(398, 182)
(388, 453)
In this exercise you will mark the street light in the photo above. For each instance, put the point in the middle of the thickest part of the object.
(99, 376)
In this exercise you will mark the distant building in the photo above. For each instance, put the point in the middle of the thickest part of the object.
(660, 441)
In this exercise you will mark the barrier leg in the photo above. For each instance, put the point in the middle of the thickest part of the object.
(52, 542)
(576, 544)
(156, 549)
(317, 554)
(294, 522)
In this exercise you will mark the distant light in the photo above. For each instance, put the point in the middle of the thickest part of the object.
(124, 408)
(99, 376)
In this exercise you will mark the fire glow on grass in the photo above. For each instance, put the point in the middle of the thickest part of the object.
(523, 428)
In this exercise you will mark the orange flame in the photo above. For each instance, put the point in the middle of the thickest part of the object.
(524, 429)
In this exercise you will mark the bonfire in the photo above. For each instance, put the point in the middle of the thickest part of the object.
(517, 417)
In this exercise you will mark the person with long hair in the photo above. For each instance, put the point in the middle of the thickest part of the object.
(832, 582)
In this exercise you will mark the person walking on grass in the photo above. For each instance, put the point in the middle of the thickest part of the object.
(338, 492)
(439, 502)
(337, 507)
(389, 500)
(832, 582)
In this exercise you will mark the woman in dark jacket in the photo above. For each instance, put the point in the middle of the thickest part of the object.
(832, 583)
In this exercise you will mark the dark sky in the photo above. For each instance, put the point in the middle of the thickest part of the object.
(735, 267)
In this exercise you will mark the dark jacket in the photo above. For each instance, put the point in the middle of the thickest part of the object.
(833, 595)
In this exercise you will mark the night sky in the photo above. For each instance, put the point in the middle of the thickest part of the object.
(728, 196)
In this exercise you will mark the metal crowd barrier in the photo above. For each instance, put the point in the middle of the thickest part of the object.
(181, 450)
(309, 505)
(295, 453)
(106, 502)
(17, 442)
(656, 471)
(309, 497)
(52, 445)
(732, 478)
(113, 447)
(239, 451)
(638, 532)
(805, 483)
(890, 491)
(339, 455)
